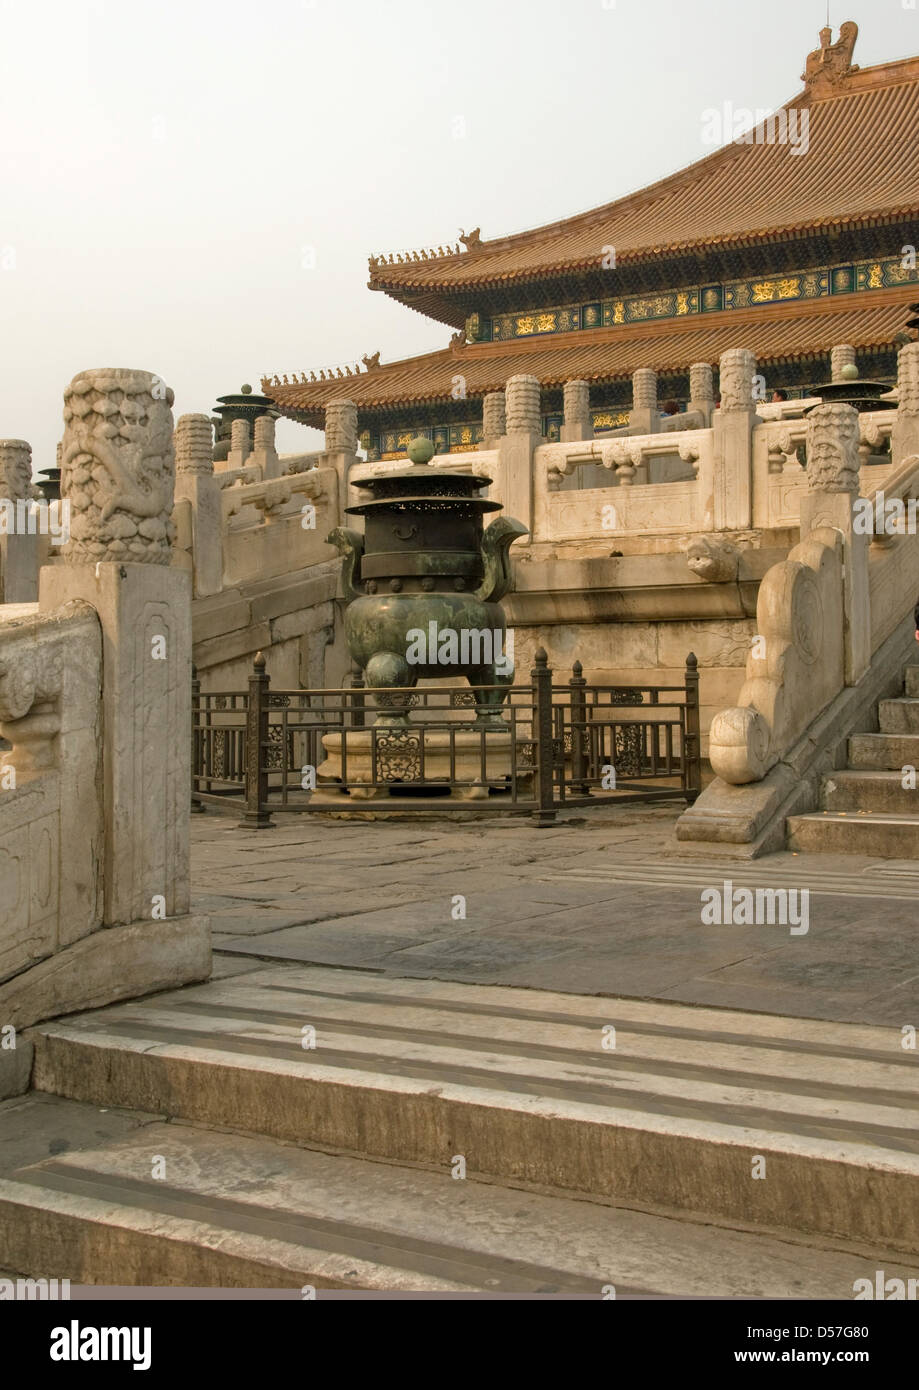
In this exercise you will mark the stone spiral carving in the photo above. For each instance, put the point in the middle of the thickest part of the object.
(644, 389)
(908, 379)
(701, 386)
(522, 398)
(194, 444)
(736, 370)
(842, 355)
(264, 432)
(15, 469)
(341, 427)
(494, 419)
(118, 466)
(832, 448)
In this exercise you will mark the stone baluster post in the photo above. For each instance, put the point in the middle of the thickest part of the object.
(341, 442)
(644, 417)
(578, 422)
(195, 483)
(265, 454)
(832, 488)
(904, 440)
(240, 445)
(842, 355)
(732, 500)
(517, 448)
(119, 477)
(494, 420)
(18, 549)
(701, 391)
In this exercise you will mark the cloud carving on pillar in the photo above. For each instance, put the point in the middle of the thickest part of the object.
(15, 469)
(118, 466)
(832, 448)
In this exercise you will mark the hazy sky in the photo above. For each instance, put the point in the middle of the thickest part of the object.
(163, 166)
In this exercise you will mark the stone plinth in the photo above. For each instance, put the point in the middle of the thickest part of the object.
(398, 757)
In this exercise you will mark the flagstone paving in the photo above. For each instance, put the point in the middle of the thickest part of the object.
(599, 907)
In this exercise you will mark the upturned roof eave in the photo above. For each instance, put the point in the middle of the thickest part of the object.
(438, 298)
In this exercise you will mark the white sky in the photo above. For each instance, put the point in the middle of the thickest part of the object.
(163, 165)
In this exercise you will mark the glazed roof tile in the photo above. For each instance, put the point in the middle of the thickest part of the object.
(861, 167)
(776, 333)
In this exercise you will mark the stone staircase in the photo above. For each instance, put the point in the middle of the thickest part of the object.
(865, 808)
(449, 1137)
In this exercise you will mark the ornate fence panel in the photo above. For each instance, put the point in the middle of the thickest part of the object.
(555, 746)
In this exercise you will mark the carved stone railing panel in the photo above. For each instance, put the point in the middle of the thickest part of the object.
(50, 801)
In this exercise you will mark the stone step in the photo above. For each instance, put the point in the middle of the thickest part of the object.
(911, 686)
(869, 832)
(883, 751)
(525, 1087)
(900, 716)
(227, 1210)
(854, 792)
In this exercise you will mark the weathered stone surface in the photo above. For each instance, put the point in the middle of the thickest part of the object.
(118, 443)
(196, 485)
(578, 422)
(51, 820)
(15, 1068)
(904, 440)
(655, 1134)
(145, 616)
(832, 448)
(341, 427)
(494, 420)
(387, 1227)
(522, 398)
(115, 963)
(15, 468)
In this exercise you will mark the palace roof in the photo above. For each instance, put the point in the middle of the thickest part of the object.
(776, 333)
(861, 169)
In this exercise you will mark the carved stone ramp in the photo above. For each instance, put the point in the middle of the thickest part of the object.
(679, 1116)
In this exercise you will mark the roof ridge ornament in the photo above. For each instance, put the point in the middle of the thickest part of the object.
(827, 68)
(325, 374)
(427, 253)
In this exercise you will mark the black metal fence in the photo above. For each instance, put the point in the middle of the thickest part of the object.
(555, 746)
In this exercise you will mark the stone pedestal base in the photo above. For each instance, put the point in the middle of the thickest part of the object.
(112, 963)
(399, 761)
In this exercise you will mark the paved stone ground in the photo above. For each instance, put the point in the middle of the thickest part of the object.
(591, 907)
